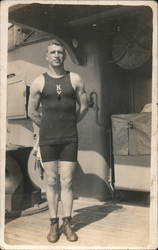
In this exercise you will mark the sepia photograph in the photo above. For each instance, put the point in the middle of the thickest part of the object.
(78, 125)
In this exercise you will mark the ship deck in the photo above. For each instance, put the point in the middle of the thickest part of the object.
(98, 224)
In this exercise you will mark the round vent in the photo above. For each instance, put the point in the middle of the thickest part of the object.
(132, 48)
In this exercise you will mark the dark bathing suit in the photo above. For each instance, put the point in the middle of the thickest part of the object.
(58, 137)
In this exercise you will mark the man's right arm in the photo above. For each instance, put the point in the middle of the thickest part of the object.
(34, 100)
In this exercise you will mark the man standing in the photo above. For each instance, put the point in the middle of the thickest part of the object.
(58, 91)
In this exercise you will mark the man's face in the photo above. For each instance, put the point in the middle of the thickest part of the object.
(55, 55)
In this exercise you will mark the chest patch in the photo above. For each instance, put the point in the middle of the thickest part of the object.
(58, 90)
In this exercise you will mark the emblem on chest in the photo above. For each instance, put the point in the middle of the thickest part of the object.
(58, 90)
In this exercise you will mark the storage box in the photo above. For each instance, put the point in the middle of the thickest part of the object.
(131, 141)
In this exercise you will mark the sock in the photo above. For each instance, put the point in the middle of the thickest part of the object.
(54, 220)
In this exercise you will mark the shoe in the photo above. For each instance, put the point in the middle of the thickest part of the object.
(53, 234)
(68, 230)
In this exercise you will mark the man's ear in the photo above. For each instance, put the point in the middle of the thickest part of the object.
(65, 54)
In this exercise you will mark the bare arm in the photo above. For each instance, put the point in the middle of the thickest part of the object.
(34, 101)
(81, 97)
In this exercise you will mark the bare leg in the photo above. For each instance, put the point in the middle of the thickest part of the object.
(52, 192)
(66, 174)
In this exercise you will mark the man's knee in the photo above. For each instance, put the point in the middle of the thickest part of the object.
(52, 181)
(66, 183)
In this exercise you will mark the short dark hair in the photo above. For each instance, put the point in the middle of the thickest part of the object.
(56, 42)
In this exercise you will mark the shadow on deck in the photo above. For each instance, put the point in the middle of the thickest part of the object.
(87, 215)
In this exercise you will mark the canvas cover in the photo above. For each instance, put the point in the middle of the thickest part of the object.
(131, 134)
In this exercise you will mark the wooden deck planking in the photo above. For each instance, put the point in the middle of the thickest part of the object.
(97, 224)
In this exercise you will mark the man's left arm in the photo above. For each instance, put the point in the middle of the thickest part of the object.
(81, 99)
